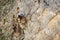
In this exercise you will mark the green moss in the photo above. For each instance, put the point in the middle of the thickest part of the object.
(3, 38)
(5, 5)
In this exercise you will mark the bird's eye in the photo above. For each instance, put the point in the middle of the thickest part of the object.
(17, 8)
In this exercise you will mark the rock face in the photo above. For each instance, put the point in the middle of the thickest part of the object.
(30, 20)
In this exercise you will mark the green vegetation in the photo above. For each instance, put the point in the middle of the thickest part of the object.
(5, 7)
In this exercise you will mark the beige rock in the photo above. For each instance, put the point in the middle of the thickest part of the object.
(41, 20)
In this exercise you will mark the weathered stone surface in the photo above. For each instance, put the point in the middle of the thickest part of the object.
(30, 20)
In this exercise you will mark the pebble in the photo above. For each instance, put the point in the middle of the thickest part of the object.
(21, 13)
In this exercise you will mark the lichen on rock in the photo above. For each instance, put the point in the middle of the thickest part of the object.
(30, 19)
